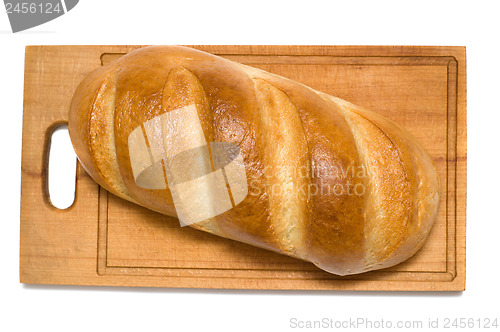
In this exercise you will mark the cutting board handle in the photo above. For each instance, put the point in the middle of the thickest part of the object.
(58, 168)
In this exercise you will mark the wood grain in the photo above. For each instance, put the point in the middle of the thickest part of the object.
(104, 240)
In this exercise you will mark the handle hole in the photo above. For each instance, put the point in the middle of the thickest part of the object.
(61, 169)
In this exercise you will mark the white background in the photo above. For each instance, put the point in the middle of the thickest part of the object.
(58, 308)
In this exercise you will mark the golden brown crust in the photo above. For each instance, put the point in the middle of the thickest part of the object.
(328, 182)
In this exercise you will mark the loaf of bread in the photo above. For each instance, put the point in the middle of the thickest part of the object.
(255, 157)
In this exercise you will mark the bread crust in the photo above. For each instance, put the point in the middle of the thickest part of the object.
(316, 148)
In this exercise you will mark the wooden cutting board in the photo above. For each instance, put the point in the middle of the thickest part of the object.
(104, 240)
